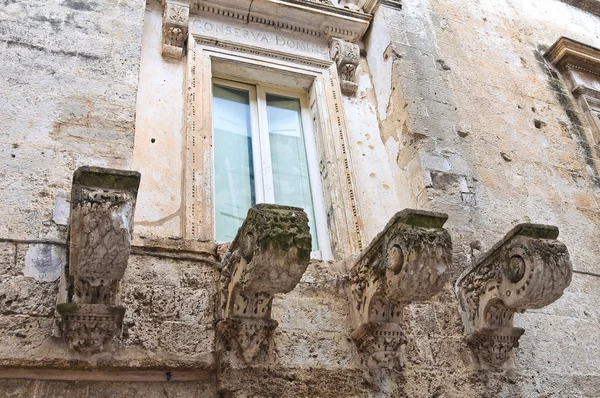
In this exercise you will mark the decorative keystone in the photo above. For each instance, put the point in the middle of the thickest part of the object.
(100, 233)
(268, 255)
(174, 29)
(410, 260)
(346, 56)
(529, 268)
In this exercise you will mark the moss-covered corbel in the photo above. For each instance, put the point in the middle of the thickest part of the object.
(269, 255)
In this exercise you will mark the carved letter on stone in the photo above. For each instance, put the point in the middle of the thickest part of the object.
(529, 268)
(268, 255)
(410, 260)
(174, 29)
(346, 56)
(100, 228)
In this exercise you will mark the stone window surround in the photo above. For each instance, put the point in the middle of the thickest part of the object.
(320, 80)
(263, 182)
(579, 64)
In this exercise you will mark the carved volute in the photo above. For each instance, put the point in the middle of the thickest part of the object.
(529, 268)
(100, 233)
(268, 255)
(410, 260)
(174, 28)
(346, 56)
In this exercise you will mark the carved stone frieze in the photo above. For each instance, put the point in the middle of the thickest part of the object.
(100, 234)
(410, 260)
(529, 268)
(174, 28)
(346, 56)
(268, 255)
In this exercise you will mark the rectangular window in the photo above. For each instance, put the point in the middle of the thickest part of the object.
(264, 153)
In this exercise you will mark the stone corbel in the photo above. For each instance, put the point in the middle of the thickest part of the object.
(346, 56)
(100, 233)
(528, 269)
(410, 260)
(174, 28)
(269, 255)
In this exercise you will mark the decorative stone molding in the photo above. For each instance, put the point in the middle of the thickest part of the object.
(100, 234)
(580, 66)
(174, 28)
(268, 255)
(346, 56)
(527, 269)
(410, 260)
(567, 52)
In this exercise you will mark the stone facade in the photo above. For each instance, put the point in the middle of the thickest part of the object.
(480, 115)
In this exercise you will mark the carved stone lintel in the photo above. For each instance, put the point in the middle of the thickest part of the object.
(529, 268)
(174, 29)
(87, 328)
(268, 255)
(346, 56)
(100, 234)
(409, 260)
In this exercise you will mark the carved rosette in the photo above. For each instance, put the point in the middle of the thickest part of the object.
(100, 233)
(346, 56)
(529, 268)
(410, 260)
(269, 255)
(174, 29)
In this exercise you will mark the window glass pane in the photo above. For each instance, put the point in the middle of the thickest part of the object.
(234, 174)
(291, 183)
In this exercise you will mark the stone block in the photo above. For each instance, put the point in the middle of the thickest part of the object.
(21, 295)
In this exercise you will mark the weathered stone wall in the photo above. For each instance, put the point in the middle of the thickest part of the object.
(69, 82)
(476, 125)
(456, 112)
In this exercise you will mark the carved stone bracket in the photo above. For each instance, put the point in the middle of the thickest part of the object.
(100, 233)
(529, 268)
(410, 260)
(174, 28)
(346, 56)
(268, 255)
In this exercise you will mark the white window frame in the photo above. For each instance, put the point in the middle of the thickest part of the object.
(261, 152)
(208, 58)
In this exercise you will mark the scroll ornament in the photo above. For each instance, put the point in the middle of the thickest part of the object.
(527, 269)
(346, 56)
(174, 29)
(410, 260)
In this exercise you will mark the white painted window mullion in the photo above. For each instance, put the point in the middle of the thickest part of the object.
(265, 146)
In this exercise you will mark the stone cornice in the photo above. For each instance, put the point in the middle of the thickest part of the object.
(570, 53)
(301, 16)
